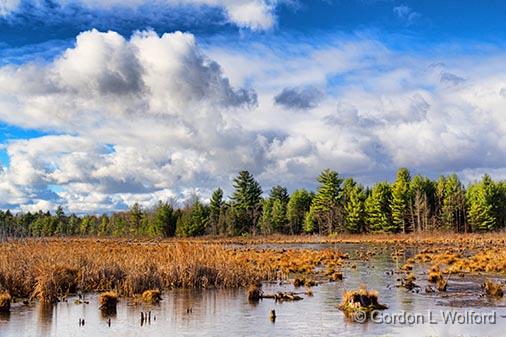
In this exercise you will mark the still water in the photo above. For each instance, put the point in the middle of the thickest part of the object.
(219, 312)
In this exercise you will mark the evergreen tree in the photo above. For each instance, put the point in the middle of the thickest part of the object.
(215, 210)
(247, 202)
(481, 206)
(453, 208)
(164, 220)
(326, 211)
(274, 211)
(377, 208)
(297, 207)
(401, 202)
(193, 221)
(355, 209)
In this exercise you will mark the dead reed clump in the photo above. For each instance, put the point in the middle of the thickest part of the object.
(254, 293)
(5, 302)
(442, 284)
(54, 282)
(493, 289)
(434, 274)
(108, 300)
(152, 296)
(408, 281)
(360, 300)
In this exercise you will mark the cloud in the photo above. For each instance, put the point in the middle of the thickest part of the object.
(154, 117)
(131, 117)
(451, 79)
(406, 13)
(299, 98)
(251, 14)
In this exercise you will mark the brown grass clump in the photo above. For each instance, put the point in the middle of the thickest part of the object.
(408, 281)
(434, 274)
(108, 300)
(493, 289)
(254, 293)
(152, 296)
(5, 302)
(442, 284)
(361, 300)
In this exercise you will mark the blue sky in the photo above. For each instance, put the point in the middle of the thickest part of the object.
(102, 104)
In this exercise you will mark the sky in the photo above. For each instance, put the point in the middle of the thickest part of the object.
(104, 103)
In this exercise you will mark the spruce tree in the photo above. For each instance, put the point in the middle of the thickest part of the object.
(247, 202)
(401, 202)
(215, 210)
(297, 207)
(355, 210)
(377, 208)
(326, 211)
(481, 199)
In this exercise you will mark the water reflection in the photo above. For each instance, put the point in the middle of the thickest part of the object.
(227, 312)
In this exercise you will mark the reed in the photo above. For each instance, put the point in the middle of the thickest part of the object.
(152, 296)
(108, 300)
(5, 302)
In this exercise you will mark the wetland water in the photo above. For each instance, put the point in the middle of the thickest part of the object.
(225, 312)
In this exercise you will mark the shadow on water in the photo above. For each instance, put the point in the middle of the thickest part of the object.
(45, 318)
(5, 317)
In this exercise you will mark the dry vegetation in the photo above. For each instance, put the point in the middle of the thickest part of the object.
(360, 300)
(50, 269)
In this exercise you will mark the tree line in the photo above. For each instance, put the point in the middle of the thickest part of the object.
(409, 204)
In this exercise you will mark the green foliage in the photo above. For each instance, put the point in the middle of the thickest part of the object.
(401, 202)
(377, 208)
(297, 207)
(164, 220)
(326, 212)
(216, 211)
(354, 208)
(482, 200)
(193, 220)
(417, 204)
(274, 217)
(247, 202)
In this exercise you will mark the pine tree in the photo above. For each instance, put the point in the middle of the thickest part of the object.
(215, 210)
(164, 220)
(326, 211)
(377, 207)
(247, 202)
(355, 209)
(453, 208)
(401, 202)
(274, 211)
(481, 199)
(297, 207)
(193, 221)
